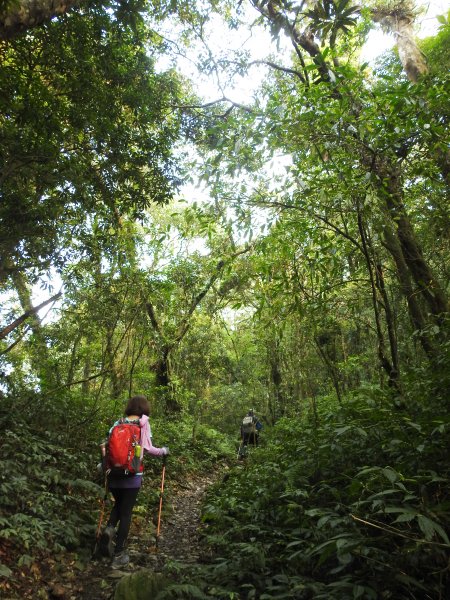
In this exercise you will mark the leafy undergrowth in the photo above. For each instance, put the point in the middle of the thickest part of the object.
(352, 502)
(50, 495)
(352, 506)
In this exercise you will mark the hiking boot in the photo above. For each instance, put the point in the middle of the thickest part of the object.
(120, 560)
(106, 541)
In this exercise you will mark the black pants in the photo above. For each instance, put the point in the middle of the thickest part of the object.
(124, 501)
(250, 439)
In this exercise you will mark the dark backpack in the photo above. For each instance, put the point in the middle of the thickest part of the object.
(123, 449)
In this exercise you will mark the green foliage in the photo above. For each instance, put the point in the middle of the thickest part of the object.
(356, 506)
(435, 47)
(46, 502)
(85, 136)
(194, 447)
(328, 18)
(50, 492)
(141, 586)
(344, 501)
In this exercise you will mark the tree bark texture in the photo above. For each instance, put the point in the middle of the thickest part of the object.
(275, 375)
(401, 25)
(415, 311)
(391, 190)
(23, 15)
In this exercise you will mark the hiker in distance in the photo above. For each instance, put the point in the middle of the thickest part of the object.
(129, 438)
(250, 428)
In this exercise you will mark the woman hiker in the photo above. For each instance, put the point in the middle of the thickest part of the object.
(125, 487)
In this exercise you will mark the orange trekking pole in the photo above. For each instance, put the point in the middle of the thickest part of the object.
(102, 514)
(161, 493)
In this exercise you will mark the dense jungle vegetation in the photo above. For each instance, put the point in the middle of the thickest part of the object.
(287, 253)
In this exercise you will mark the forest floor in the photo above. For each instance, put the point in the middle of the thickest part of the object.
(71, 576)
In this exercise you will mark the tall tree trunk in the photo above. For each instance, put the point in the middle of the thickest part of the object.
(391, 190)
(415, 311)
(400, 23)
(276, 379)
(22, 15)
(398, 20)
(135, 357)
(114, 366)
(162, 369)
(163, 381)
(410, 55)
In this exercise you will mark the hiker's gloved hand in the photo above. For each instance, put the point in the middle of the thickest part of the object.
(165, 451)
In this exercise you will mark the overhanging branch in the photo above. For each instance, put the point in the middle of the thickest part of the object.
(32, 311)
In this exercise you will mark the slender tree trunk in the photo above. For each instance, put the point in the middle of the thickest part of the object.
(112, 367)
(135, 358)
(331, 370)
(415, 311)
(39, 353)
(86, 385)
(271, 404)
(73, 360)
(33, 310)
(390, 321)
(314, 409)
(389, 365)
(276, 378)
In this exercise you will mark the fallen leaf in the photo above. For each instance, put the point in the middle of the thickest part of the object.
(57, 591)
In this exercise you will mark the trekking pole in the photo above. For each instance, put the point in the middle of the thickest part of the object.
(102, 514)
(161, 493)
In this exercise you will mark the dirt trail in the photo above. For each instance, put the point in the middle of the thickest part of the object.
(179, 540)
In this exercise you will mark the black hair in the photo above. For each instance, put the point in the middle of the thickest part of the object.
(137, 405)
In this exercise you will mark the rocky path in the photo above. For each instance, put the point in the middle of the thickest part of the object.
(179, 540)
(74, 576)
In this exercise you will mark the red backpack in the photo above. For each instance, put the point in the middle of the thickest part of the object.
(123, 450)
